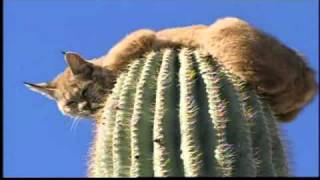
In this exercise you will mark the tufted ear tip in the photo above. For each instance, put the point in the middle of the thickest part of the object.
(32, 85)
(43, 88)
(27, 83)
(77, 64)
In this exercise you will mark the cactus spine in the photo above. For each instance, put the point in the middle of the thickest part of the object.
(176, 112)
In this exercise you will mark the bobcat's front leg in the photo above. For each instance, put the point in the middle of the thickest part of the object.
(132, 46)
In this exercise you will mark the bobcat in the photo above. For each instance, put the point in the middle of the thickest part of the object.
(279, 74)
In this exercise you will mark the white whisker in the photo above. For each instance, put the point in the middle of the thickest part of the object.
(72, 125)
(77, 123)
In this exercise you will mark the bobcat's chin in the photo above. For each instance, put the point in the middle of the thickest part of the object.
(82, 110)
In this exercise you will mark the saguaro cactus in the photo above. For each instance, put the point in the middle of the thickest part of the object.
(176, 112)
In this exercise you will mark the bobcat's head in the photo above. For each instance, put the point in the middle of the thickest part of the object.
(80, 90)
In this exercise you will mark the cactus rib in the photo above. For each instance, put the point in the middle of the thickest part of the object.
(102, 155)
(279, 157)
(189, 118)
(234, 145)
(167, 160)
(121, 133)
(142, 118)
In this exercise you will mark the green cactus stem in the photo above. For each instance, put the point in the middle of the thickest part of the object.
(101, 158)
(177, 112)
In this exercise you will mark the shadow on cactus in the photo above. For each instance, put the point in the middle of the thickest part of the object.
(177, 112)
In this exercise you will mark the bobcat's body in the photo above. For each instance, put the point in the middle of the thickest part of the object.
(279, 74)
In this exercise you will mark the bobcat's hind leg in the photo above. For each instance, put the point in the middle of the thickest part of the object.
(278, 73)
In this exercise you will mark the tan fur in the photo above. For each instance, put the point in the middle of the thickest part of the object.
(131, 46)
(280, 75)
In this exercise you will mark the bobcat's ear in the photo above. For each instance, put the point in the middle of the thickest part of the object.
(77, 64)
(42, 88)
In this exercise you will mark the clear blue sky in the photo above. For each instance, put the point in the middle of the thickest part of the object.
(38, 140)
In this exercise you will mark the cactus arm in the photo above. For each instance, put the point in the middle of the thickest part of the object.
(142, 118)
(101, 156)
(166, 139)
(121, 134)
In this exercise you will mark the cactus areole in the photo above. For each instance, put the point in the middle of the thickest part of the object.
(177, 112)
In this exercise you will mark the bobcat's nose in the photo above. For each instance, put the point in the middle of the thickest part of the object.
(84, 106)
